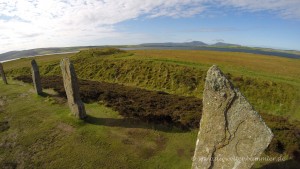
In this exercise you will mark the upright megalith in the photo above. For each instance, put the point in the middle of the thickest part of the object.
(72, 88)
(3, 74)
(36, 79)
(232, 134)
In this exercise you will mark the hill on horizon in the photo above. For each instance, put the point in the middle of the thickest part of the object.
(189, 44)
(39, 51)
(193, 45)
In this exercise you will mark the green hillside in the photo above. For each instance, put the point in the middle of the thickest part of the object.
(268, 87)
(40, 130)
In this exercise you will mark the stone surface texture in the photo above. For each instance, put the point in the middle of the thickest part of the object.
(72, 88)
(36, 79)
(3, 74)
(232, 134)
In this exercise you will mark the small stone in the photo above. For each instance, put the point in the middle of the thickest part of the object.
(72, 88)
(3, 74)
(36, 79)
(231, 133)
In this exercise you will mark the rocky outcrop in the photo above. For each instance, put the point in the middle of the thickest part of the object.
(3, 74)
(36, 77)
(72, 88)
(232, 134)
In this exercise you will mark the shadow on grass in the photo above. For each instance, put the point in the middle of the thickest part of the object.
(44, 94)
(58, 99)
(10, 84)
(289, 164)
(132, 123)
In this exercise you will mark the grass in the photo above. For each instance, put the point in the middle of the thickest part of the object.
(132, 102)
(233, 62)
(43, 134)
(171, 110)
(271, 84)
(25, 62)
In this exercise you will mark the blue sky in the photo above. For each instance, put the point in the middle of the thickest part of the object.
(252, 29)
(26, 24)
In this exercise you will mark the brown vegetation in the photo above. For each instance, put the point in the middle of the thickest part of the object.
(161, 107)
(150, 106)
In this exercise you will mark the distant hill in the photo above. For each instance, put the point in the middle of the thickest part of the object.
(221, 44)
(194, 45)
(38, 51)
(47, 51)
(172, 44)
(188, 44)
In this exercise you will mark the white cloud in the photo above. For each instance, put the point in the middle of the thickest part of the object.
(284, 8)
(40, 23)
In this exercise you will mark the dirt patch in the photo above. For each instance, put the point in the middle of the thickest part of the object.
(2, 103)
(4, 125)
(8, 165)
(147, 153)
(127, 141)
(161, 142)
(180, 152)
(66, 127)
(59, 100)
(135, 138)
(23, 95)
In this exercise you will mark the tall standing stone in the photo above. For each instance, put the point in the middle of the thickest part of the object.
(3, 74)
(232, 134)
(72, 88)
(36, 77)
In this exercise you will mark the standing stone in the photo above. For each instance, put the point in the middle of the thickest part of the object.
(232, 134)
(36, 77)
(72, 88)
(3, 74)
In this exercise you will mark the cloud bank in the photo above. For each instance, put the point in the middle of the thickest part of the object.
(40, 23)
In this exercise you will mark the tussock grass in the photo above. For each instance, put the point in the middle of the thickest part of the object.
(183, 73)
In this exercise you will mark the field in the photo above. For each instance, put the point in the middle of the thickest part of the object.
(42, 132)
(257, 66)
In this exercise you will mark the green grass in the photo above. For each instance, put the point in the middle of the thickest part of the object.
(25, 62)
(43, 134)
(271, 68)
(271, 84)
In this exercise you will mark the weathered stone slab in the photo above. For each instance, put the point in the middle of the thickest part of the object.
(36, 77)
(3, 74)
(72, 88)
(232, 134)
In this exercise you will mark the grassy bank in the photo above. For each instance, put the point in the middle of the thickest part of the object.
(183, 73)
